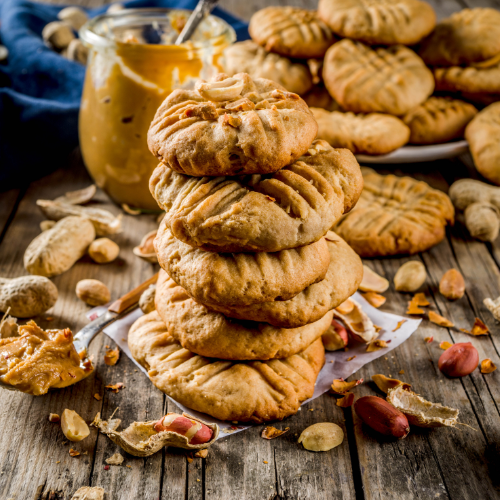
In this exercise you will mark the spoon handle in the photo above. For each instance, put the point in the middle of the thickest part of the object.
(202, 9)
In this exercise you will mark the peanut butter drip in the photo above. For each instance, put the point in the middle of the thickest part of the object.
(38, 360)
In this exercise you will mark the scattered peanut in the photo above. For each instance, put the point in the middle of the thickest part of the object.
(482, 221)
(452, 285)
(103, 250)
(321, 437)
(493, 306)
(8, 327)
(27, 296)
(58, 34)
(146, 249)
(410, 276)
(147, 300)
(481, 203)
(373, 282)
(115, 459)
(56, 250)
(382, 416)
(77, 52)
(54, 417)
(73, 426)
(93, 292)
(459, 360)
(105, 223)
(74, 16)
(78, 197)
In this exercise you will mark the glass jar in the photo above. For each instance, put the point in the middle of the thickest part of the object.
(132, 67)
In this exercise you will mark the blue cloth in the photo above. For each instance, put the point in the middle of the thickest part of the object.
(40, 91)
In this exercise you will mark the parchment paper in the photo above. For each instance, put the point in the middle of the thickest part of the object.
(336, 365)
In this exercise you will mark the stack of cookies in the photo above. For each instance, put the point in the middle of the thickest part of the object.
(251, 272)
(378, 73)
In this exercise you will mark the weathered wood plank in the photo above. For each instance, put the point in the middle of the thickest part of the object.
(8, 205)
(22, 453)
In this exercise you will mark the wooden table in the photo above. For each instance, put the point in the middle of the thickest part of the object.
(443, 463)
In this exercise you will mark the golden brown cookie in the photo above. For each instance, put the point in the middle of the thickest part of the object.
(341, 281)
(387, 80)
(291, 32)
(395, 215)
(211, 334)
(248, 391)
(293, 207)
(372, 133)
(479, 78)
(467, 36)
(483, 134)
(318, 97)
(438, 120)
(253, 59)
(241, 278)
(385, 22)
(231, 126)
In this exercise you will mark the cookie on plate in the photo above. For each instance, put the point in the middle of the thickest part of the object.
(385, 80)
(211, 334)
(241, 278)
(467, 36)
(483, 135)
(479, 78)
(438, 120)
(245, 391)
(291, 32)
(231, 126)
(341, 281)
(253, 59)
(385, 22)
(371, 133)
(292, 207)
(395, 215)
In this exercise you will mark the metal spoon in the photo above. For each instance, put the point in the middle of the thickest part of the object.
(201, 11)
(118, 309)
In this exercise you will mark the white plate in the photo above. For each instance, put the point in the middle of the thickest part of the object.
(416, 154)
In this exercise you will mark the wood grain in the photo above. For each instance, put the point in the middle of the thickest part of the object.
(438, 463)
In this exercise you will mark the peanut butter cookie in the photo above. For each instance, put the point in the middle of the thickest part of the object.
(341, 281)
(467, 36)
(372, 133)
(241, 278)
(248, 391)
(291, 32)
(483, 134)
(438, 120)
(211, 334)
(387, 80)
(395, 215)
(385, 22)
(293, 207)
(478, 78)
(231, 126)
(253, 59)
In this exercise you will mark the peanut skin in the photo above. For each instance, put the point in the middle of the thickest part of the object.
(382, 417)
(459, 360)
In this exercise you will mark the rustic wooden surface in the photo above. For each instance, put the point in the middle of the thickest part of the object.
(441, 463)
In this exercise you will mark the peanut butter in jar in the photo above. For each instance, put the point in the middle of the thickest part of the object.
(133, 66)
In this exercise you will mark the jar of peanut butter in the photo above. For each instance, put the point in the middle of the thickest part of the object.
(132, 67)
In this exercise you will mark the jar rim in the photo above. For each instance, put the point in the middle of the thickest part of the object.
(91, 38)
